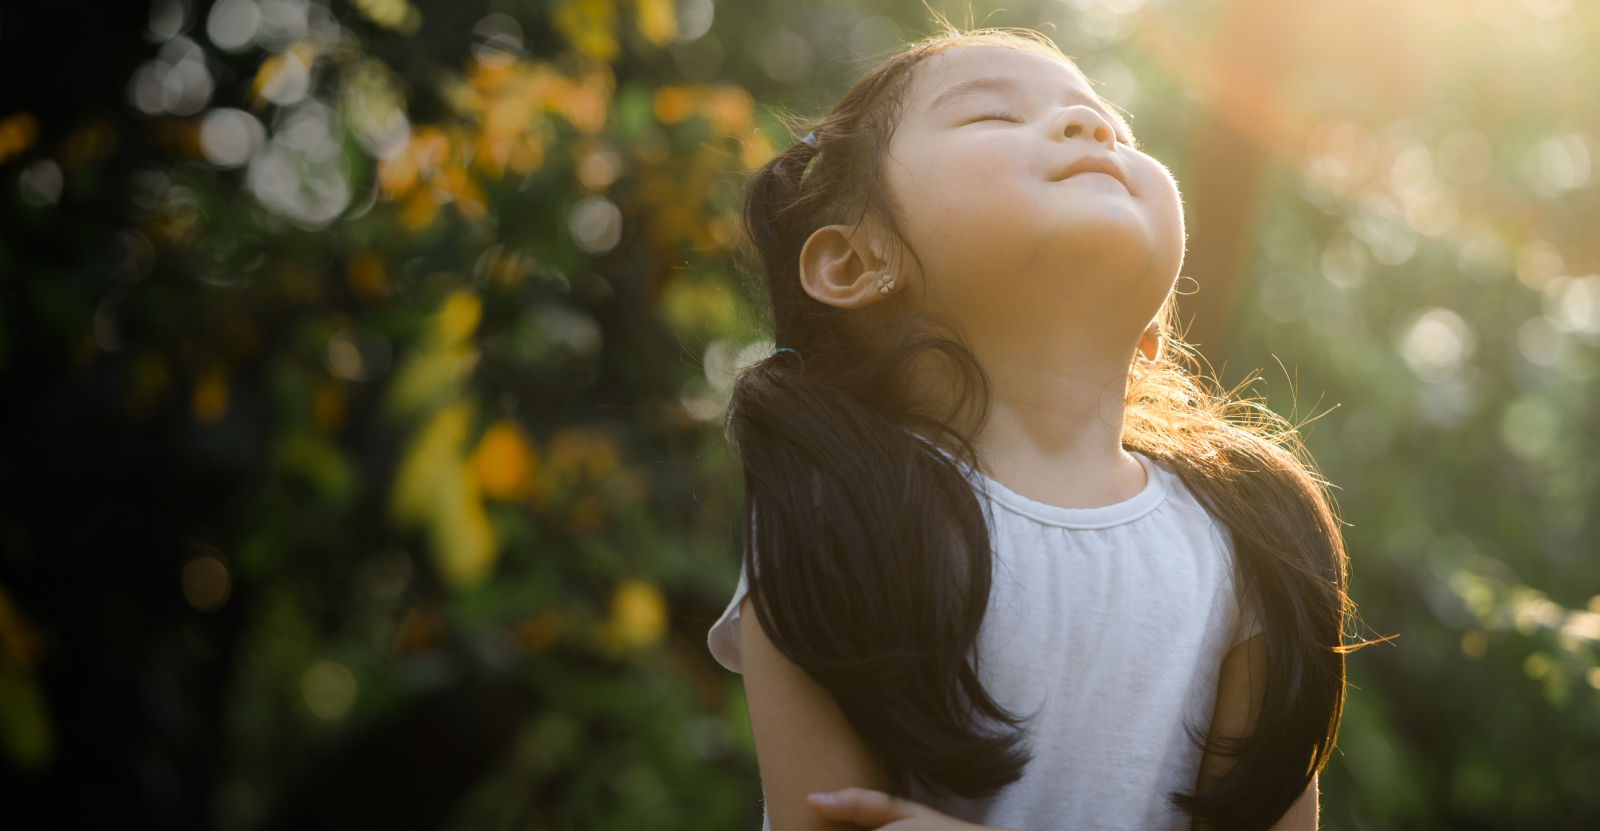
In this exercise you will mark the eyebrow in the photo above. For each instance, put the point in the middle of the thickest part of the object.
(993, 83)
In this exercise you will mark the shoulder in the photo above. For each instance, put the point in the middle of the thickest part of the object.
(1184, 504)
(1188, 509)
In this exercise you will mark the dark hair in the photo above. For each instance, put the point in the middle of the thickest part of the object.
(868, 551)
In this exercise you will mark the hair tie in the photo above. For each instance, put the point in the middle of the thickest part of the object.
(792, 352)
(810, 139)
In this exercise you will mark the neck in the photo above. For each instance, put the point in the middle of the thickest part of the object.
(1054, 431)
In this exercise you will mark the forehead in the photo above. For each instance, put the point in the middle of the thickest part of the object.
(1027, 71)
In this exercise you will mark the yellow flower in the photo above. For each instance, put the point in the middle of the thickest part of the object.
(673, 104)
(443, 361)
(458, 318)
(504, 463)
(17, 134)
(427, 151)
(209, 401)
(590, 26)
(391, 14)
(657, 20)
(638, 615)
(419, 211)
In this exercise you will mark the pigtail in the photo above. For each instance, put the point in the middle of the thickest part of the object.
(868, 551)
(1246, 466)
(872, 568)
(1290, 559)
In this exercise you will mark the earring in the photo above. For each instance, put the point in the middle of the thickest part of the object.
(885, 284)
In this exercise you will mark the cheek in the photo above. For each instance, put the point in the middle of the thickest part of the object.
(1162, 207)
(1170, 222)
(959, 207)
(1163, 189)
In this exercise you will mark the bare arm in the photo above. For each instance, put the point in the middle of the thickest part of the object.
(1240, 688)
(804, 744)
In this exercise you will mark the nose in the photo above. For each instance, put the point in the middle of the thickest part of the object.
(1079, 121)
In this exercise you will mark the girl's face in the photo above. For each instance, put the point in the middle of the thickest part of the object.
(1031, 213)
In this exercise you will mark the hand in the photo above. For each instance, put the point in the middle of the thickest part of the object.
(876, 809)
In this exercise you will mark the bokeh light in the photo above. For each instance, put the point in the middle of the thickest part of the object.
(329, 690)
(206, 582)
(1437, 343)
(358, 354)
(596, 224)
(230, 138)
(41, 183)
(176, 81)
(232, 24)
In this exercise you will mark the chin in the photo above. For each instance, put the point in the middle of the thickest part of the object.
(1115, 238)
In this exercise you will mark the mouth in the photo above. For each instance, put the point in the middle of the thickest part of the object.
(1095, 164)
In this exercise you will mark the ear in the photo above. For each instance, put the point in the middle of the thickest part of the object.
(1150, 343)
(841, 266)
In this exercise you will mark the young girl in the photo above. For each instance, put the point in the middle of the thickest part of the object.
(1006, 564)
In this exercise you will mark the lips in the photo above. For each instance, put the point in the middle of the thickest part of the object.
(1095, 164)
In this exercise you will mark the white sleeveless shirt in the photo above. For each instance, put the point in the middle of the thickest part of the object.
(1110, 625)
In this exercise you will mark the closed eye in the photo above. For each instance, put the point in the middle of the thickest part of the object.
(994, 116)
(1124, 135)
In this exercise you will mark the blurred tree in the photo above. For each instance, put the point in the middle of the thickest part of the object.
(1253, 48)
(386, 282)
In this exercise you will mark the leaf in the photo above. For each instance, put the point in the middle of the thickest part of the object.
(25, 729)
(464, 545)
(320, 463)
(398, 15)
(590, 26)
(433, 453)
(657, 21)
(437, 489)
(443, 361)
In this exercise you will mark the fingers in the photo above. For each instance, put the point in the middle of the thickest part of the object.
(866, 808)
